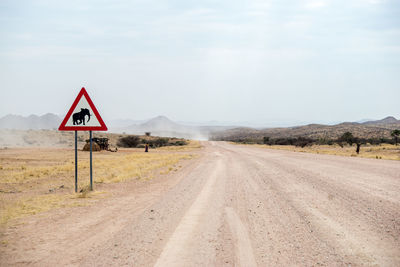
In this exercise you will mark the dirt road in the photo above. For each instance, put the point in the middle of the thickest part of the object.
(234, 205)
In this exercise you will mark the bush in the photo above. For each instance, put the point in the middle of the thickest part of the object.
(346, 138)
(395, 134)
(283, 141)
(302, 141)
(265, 139)
(129, 141)
(325, 141)
(180, 143)
(159, 142)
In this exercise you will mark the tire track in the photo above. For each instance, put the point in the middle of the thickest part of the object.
(173, 252)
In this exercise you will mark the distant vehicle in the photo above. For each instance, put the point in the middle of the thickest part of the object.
(101, 144)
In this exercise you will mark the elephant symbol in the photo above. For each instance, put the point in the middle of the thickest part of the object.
(79, 117)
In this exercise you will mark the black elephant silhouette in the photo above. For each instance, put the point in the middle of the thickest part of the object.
(79, 117)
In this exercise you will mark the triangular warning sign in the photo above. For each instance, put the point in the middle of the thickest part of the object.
(83, 115)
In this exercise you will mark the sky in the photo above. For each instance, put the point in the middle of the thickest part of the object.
(268, 63)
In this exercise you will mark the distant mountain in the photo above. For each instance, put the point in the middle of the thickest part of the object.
(163, 126)
(376, 129)
(161, 123)
(120, 123)
(34, 122)
(387, 120)
(361, 121)
(158, 126)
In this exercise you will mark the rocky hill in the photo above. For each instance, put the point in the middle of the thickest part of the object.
(33, 122)
(163, 126)
(369, 129)
(386, 121)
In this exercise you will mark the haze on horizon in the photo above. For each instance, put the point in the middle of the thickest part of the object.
(262, 62)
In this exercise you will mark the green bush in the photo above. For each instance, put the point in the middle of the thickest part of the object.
(265, 139)
(129, 141)
(159, 142)
(348, 138)
(180, 143)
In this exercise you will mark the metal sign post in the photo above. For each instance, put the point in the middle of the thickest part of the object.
(83, 116)
(91, 173)
(76, 161)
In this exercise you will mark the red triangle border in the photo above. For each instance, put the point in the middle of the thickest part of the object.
(63, 126)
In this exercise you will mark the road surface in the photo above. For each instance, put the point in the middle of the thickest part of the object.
(233, 206)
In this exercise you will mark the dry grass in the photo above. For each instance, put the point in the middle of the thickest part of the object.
(35, 180)
(24, 206)
(384, 151)
(135, 165)
(192, 145)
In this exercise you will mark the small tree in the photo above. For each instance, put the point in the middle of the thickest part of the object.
(265, 139)
(348, 138)
(359, 142)
(395, 134)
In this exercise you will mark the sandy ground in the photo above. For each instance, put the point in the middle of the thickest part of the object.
(233, 206)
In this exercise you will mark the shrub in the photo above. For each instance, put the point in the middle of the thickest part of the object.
(303, 141)
(346, 138)
(324, 141)
(129, 141)
(159, 142)
(265, 139)
(180, 143)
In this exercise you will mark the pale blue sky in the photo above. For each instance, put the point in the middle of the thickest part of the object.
(268, 62)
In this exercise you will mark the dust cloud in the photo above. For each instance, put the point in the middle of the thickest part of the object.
(37, 138)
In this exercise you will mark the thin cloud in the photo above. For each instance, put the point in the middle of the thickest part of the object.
(226, 60)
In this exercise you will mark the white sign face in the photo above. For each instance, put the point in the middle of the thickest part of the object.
(83, 115)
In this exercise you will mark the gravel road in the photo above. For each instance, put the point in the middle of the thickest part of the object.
(233, 206)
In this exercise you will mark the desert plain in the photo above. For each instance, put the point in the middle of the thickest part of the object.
(204, 204)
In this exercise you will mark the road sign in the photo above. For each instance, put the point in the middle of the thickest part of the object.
(83, 115)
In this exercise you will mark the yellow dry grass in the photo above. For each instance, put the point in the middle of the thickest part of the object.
(25, 206)
(384, 151)
(135, 165)
(192, 145)
(37, 180)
